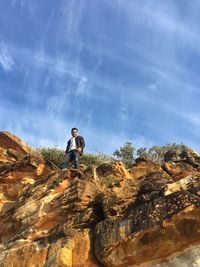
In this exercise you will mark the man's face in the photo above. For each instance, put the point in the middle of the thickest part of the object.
(74, 133)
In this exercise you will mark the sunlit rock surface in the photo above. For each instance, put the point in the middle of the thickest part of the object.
(106, 216)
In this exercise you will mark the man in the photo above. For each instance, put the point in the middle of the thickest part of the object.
(74, 149)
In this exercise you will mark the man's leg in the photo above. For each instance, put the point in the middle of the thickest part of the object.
(67, 160)
(76, 159)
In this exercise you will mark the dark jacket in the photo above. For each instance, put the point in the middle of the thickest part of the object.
(80, 143)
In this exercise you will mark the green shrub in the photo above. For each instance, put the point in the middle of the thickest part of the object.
(126, 154)
(56, 156)
(96, 159)
(156, 153)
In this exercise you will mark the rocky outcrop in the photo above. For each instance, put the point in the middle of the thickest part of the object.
(183, 154)
(105, 216)
(20, 167)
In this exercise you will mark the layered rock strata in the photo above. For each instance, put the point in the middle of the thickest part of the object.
(106, 216)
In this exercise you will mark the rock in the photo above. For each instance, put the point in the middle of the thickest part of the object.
(13, 148)
(115, 169)
(106, 216)
(149, 232)
(112, 173)
(141, 159)
(186, 154)
(24, 255)
(179, 170)
(142, 168)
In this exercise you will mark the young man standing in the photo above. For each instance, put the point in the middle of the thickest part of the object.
(74, 149)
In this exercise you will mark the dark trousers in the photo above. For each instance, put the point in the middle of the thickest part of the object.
(72, 156)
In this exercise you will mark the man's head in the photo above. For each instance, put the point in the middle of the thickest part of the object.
(74, 132)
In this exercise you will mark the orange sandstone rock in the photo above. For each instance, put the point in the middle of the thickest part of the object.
(143, 168)
(107, 216)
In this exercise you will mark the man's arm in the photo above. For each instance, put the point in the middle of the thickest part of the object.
(80, 144)
(67, 148)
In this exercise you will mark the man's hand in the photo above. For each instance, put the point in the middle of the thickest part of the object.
(65, 154)
(78, 149)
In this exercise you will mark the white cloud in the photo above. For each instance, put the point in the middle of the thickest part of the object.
(107, 141)
(87, 120)
(123, 107)
(193, 118)
(97, 65)
(160, 16)
(82, 87)
(6, 60)
(161, 70)
(15, 3)
(57, 65)
(56, 104)
(154, 86)
(45, 128)
(142, 141)
(22, 2)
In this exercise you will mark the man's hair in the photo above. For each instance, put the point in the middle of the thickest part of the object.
(74, 128)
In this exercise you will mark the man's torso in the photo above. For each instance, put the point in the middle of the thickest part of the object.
(72, 144)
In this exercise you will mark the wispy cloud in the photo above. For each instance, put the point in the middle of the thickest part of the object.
(164, 17)
(82, 87)
(123, 107)
(45, 128)
(118, 65)
(16, 3)
(6, 60)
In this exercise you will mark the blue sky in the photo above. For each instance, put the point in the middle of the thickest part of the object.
(119, 70)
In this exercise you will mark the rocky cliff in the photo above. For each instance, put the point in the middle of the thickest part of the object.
(106, 216)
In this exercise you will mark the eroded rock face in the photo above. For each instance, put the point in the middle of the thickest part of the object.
(186, 154)
(105, 216)
(20, 167)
